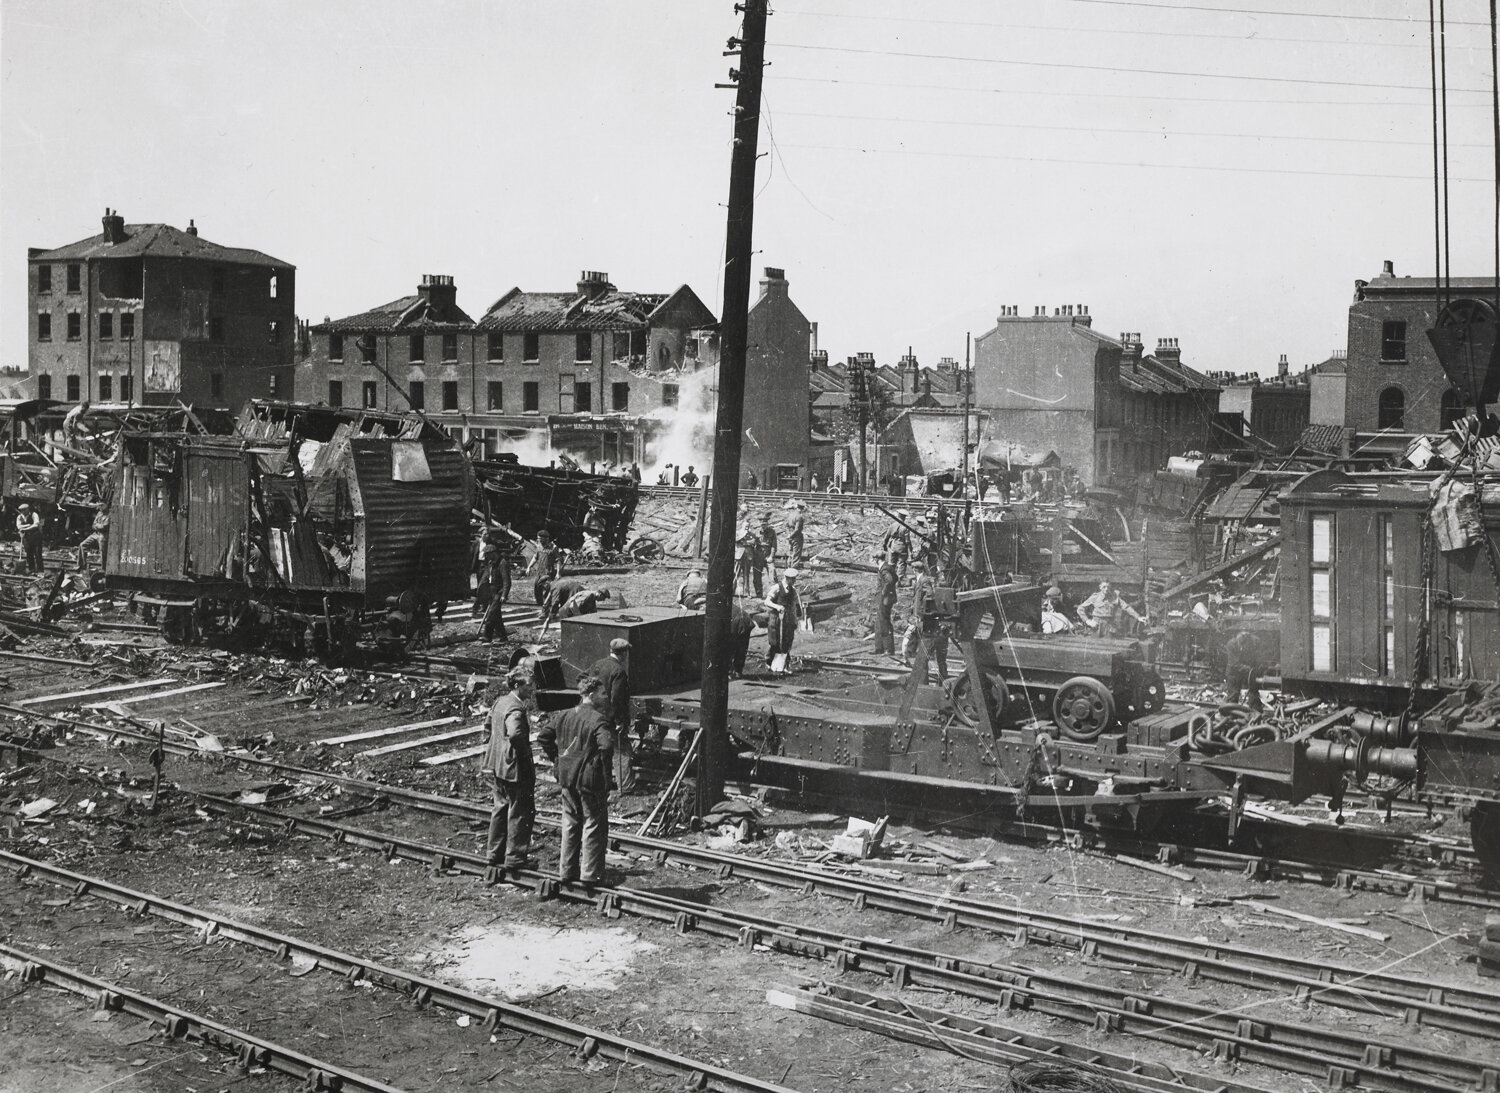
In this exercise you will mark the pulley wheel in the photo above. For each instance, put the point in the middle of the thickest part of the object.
(1083, 708)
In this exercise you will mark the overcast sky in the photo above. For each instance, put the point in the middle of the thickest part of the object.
(1217, 174)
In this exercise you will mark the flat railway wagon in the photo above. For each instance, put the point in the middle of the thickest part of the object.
(318, 529)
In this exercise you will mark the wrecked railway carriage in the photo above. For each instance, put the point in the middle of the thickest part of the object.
(313, 527)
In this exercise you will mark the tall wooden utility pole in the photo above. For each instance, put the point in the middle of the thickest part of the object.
(713, 715)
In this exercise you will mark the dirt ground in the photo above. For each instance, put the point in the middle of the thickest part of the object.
(687, 993)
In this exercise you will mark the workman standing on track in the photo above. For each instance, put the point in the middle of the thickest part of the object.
(581, 746)
(547, 562)
(512, 771)
(29, 527)
(1102, 612)
(897, 547)
(614, 683)
(794, 534)
(765, 535)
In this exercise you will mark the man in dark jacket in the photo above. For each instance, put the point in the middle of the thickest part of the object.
(885, 603)
(741, 626)
(512, 774)
(614, 682)
(582, 748)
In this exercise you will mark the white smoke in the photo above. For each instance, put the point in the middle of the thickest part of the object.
(686, 436)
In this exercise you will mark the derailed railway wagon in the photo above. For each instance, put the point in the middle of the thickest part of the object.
(318, 533)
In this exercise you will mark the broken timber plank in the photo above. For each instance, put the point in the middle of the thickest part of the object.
(453, 756)
(440, 738)
(396, 730)
(1266, 908)
(1222, 568)
(64, 696)
(153, 697)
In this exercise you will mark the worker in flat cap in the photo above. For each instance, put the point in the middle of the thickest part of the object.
(29, 527)
(512, 772)
(786, 611)
(614, 690)
(793, 528)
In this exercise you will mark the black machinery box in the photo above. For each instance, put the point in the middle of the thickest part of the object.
(666, 646)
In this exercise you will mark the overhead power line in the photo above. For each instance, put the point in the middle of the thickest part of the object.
(1159, 132)
(1134, 32)
(1028, 93)
(1116, 68)
(1337, 16)
(1367, 175)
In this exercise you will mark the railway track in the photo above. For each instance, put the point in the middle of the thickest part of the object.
(1362, 1059)
(182, 1025)
(491, 1014)
(1257, 865)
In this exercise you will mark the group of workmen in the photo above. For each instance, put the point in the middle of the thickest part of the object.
(560, 597)
(589, 746)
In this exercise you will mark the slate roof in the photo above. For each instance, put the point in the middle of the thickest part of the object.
(412, 313)
(612, 310)
(158, 241)
(1325, 438)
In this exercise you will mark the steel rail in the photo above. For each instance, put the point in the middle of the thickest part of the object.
(1295, 1046)
(986, 1041)
(493, 1013)
(1252, 865)
(180, 1024)
(1222, 963)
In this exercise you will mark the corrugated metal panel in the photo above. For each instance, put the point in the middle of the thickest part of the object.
(415, 534)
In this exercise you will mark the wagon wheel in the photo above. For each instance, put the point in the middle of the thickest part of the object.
(963, 701)
(645, 549)
(1083, 708)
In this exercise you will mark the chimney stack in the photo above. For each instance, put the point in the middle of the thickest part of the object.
(1388, 268)
(1168, 350)
(812, 337)
(114, 227)
(1282, 367)
(1130, 350)
(439, 291)
(773, 282)
(192, 229)
(592, 284)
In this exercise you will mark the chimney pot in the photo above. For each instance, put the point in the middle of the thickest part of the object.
(1388, 268)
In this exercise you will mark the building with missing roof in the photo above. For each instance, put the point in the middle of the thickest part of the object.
(148, 313)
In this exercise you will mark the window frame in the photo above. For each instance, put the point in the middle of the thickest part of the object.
(74, 386)
(531, 397)
(1383, 410)
(450, 348)
(583, 348)
(44, 385)
(369, 395)
(494, 394)
(106, 387)
(450, 396)
(531, 347)
(75, 277)
(336, 393)
(618, 404)
(416, 349)
(44, 278)
(336, 348)
(583, 396)
(416, 394)
(106, 326)
(495, 347)
(127, 326)
(44, 326)
(75, 326)
(1393, 336)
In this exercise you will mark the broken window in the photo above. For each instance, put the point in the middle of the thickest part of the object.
(43, 279)
(531, 348)
(367, 348)
(669, 394)
(621, 348)
(75, 326)
(418, 348)
(619, 397)
(583, 398)
(335, 392)
(370, 394)
(637, 343)
(43, 326)
(74, 388)
(496, 395)
(1393, 341)
(496, 346)
(106, 388)
(335, 347)
(531, 397)
(450, 394)
(127, 325)
(1453, 409)
(416, 391)
(450, 347)
(273, 286)
(106, 326)
(75, 277)
(583, 347)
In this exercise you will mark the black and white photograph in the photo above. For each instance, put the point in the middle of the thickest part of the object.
(824, 546)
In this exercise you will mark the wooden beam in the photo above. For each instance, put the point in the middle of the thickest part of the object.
(1222, 568)
(396, 730)
(440, 738)
(65, 695)
(153, 697)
